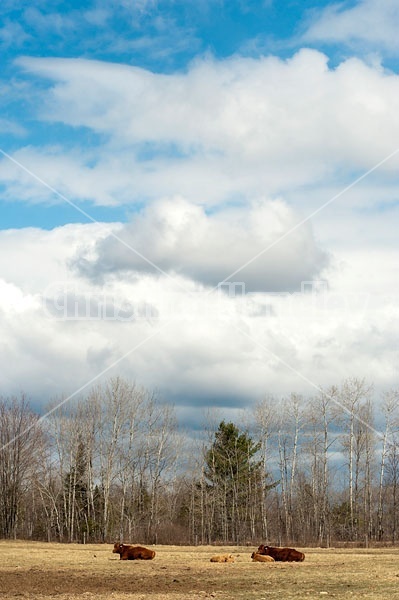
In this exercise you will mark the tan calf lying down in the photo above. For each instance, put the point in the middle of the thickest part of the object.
(261, 558)
(223, 558)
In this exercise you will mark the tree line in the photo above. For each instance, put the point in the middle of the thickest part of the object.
(115, 466)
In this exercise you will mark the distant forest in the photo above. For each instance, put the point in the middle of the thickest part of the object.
(115, 466)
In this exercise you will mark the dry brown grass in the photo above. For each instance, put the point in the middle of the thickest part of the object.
(41, 571)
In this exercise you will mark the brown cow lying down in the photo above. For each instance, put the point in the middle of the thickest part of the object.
(281, 554)
(128, 552)
(261, 557)
(223, 558)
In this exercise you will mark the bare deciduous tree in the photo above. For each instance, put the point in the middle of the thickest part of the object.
(20, 446)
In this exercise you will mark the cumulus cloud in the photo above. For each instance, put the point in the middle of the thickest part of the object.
(260, 245)
(198, 349)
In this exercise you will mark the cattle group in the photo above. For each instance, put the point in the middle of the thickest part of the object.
(281, 554)
(263, 554)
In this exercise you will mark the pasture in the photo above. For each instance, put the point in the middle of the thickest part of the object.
(41, 571)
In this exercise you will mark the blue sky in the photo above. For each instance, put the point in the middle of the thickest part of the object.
(159, 36)
(151, 150)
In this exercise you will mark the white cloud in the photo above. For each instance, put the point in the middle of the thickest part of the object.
(12, 33)
(222, 130)
(12, 127)
(97, 16)
(32, 258)
(373, 24)
(45, 175)
(43, 22)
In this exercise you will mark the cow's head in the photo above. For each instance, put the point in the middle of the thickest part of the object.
(118, 548)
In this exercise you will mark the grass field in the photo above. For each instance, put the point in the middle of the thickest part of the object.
(41, 571)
